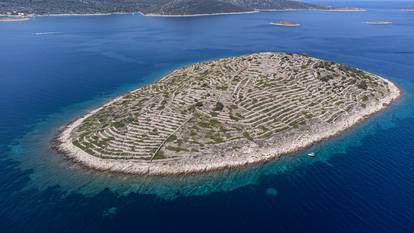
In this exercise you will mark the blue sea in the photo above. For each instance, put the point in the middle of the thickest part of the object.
(53, 69)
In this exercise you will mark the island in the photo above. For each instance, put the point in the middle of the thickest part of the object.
(285, 23)
(223, 114)
(348, 9)
(153, 7)
(378, 22)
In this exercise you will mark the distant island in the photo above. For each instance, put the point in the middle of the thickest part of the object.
(285, 23)
(225, 113)
(153, 7)
(378, 22)
(347, 9)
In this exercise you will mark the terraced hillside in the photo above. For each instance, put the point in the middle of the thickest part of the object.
(217, 111)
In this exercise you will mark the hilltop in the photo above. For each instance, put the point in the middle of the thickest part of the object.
(225, 113)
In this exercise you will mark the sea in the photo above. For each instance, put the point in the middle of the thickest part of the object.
(54, 69)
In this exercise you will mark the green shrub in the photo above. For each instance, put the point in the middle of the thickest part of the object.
(159, 155)
(219, 107)
(362, 85)
(247, 136)
(118, 125)
(171, 138)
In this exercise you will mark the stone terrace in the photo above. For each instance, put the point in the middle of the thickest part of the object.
(249, 98)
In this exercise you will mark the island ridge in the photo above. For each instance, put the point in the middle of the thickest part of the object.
(225, 113)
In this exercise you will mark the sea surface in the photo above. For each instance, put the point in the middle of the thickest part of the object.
(53, 69)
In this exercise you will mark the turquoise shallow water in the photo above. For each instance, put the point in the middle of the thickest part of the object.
(361, 181)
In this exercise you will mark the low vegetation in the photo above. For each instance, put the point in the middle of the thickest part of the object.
(189, 112)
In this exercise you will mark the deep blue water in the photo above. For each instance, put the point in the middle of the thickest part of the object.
(362, 181)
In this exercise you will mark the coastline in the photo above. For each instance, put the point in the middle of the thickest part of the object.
(198, 15)
(29, 16)
(86, 15)
(248, 155)
(258, 11)
(13, 19)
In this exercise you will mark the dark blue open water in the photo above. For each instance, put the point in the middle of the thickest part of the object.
(362, 181)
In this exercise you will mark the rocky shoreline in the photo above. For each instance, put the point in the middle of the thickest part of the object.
(249, 154)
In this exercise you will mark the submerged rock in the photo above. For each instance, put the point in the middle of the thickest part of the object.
(271, 192)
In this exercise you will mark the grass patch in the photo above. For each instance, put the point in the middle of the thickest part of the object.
(215, 137)
(118, 125)
(247, 136)
(171, 138)
(175, 148)
(219, 107)
(159, 155)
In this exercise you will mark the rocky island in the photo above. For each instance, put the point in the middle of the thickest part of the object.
(285, 23)
(225, 113)
(348, 9)
(378, 22)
